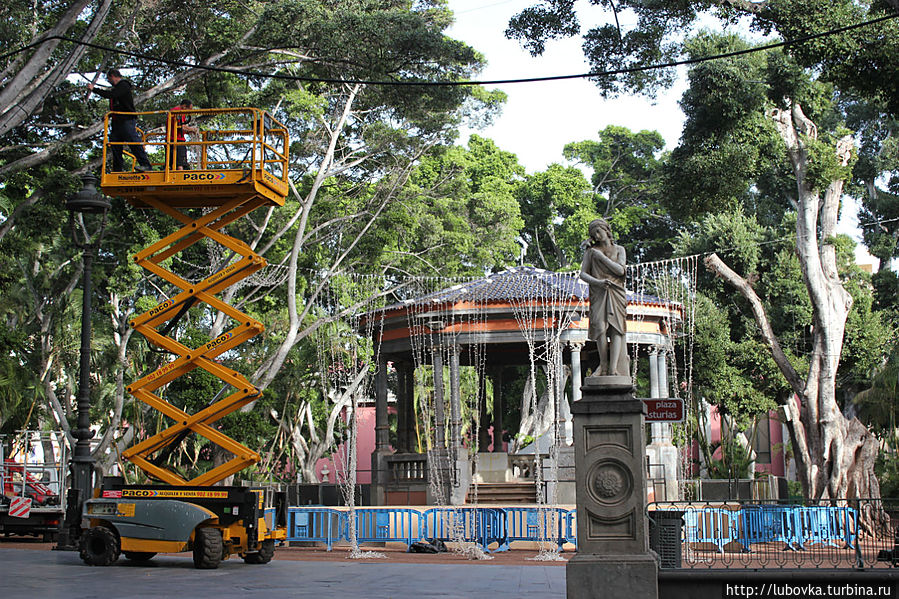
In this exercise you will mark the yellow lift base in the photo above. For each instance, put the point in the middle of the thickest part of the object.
(241, 160)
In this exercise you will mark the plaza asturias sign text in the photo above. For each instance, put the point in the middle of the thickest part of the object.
(664, 409)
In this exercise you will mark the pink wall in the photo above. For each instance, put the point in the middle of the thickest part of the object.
(365, 445)
(365, 442)
(775, 435)
(777, 465)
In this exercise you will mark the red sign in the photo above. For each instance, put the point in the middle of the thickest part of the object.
(664, 409)
(20, 507)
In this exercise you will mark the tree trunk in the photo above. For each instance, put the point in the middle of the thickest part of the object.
(835, 455)
(538, 421)
(122, 332)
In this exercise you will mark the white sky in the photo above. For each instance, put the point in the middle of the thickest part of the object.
(538, 119)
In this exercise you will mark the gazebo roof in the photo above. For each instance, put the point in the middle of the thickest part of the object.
(520, 283)
(484, 311)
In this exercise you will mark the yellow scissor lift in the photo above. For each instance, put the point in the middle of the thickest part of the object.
(240, 163)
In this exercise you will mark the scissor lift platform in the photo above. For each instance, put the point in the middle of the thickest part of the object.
(236, 152)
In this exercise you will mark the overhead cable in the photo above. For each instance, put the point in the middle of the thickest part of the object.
(426, 83)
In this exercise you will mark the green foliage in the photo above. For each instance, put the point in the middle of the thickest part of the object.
(559, 203)
(736, 375)
(823, 165)
(733, 464)
(887, 469)
(876, 177)
(886, 291)
(627, 172)
(862, 61)
(877, 405)
(736, 235)
(870, 334)
(458, 214)
(556, 207)
(730, 151)
(524, 440)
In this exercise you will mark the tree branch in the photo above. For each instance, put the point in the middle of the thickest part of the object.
(717, 266)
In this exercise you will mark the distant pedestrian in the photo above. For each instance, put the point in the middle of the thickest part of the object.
(123, 126)
(177, 127)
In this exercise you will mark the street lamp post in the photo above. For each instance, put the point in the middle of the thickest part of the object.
(88, 201)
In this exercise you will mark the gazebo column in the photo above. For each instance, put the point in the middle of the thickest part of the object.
(558, 468)
(440, 432)
(458, 455)
(654, 388)
(483, 420)
(455, 402)
(439, 458)
(661, 450)
(409, 408)
(664, 391)
(380, 472)
(382, 429)
(561, 410)
(498, 410)
(404, 399)
(576, 377)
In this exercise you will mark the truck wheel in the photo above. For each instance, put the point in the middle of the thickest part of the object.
(139, 556)
(207, 548)
(99, 546)
(263, 556)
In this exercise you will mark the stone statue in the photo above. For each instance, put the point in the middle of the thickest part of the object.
(603, 270)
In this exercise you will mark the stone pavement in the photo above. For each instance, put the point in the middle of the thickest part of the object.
(29, 574)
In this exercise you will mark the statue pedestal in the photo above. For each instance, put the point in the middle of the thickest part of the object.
(607, 384)
(601, 576)
(613, 560)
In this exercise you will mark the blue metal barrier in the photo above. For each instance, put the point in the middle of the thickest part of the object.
(793, 525)
(536, 524)
(270, 515)
(769, 524)
(571, 527)
(829, 525)
(717, 526)
(323, 525)
(483, 526)
(402, 525)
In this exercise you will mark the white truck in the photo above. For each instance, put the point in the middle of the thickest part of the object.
(33, 479)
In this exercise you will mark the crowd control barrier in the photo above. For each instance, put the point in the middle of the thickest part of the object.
(494, 529)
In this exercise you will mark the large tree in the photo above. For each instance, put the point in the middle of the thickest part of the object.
(778, 102)
(354, 147)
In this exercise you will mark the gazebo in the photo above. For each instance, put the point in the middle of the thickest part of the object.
(490, 323)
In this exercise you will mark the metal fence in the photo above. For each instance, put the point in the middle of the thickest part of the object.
(493, 529)
(835, 534)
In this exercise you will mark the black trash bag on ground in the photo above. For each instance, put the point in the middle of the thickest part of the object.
(429, 546)
(422, 547)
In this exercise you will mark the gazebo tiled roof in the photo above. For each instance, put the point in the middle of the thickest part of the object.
(521, 282)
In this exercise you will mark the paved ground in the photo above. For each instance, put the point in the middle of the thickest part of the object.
(33, 571)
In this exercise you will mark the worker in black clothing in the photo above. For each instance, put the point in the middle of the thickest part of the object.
(124, 126)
